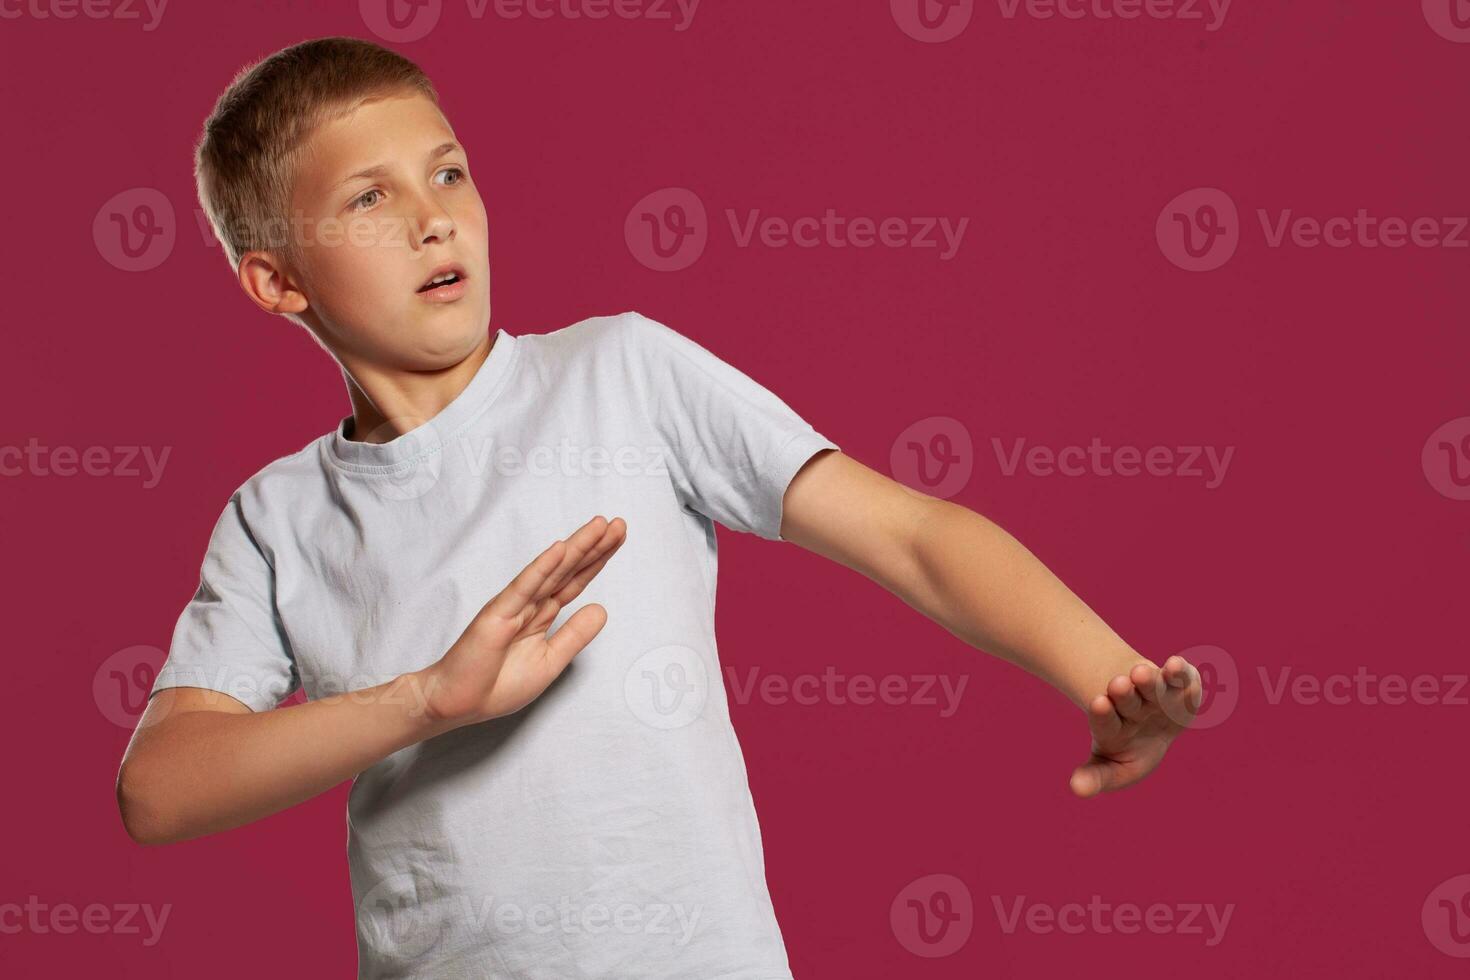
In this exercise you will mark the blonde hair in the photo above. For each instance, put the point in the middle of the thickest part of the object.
(245, 162)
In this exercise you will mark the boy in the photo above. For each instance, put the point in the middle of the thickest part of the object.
(514, 814)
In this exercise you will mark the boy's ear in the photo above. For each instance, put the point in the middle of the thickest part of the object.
(268, 284)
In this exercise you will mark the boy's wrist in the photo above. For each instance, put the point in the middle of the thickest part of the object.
(423, 687)
(429, 692)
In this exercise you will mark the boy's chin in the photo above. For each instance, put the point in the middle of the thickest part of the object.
(444, 348)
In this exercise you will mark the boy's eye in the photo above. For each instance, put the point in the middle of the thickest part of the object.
(366, 198)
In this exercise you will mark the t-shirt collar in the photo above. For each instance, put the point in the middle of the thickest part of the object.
(430, 436)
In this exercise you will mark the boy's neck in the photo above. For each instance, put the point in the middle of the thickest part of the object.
(386, 403)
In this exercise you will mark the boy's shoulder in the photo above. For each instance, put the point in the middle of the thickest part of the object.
(281, 478)
(630, 343)
(627, 329)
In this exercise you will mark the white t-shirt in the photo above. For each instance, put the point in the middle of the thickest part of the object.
(607, 829)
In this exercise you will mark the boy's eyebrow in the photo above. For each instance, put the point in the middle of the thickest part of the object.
(381, 169)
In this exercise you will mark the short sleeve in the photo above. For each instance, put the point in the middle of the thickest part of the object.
(229, 637)
(735, 446)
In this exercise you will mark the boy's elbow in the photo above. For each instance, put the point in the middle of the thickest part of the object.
(142, 821)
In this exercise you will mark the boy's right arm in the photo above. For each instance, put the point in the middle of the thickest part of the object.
(201, 761)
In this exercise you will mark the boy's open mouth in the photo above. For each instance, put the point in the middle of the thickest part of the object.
(446, 275)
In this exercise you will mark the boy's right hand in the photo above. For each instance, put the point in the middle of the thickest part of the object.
(504, 660)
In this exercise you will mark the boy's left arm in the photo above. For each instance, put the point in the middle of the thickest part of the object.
(978, 582)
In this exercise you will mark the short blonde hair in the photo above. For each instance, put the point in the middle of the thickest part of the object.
(245, 161)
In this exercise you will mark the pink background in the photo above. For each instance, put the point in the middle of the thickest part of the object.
(1326, 549)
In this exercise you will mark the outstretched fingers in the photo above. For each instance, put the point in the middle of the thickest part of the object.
(1183, 690)
(1126, 696)
(547, 571)
(557, 576)
(510, 603)
(596, 559)
(569, 588)
(579, 543)
(1103, 719)
(590, 542)
(578, 631)
(1127, 731)
(1149, 682)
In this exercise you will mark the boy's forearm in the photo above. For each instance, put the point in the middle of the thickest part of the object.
(201, 772)
(984, 586)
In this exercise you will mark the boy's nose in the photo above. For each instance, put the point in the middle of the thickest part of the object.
(437, 225)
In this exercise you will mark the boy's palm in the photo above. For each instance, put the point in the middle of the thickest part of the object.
(504, 660)
(1135, 722)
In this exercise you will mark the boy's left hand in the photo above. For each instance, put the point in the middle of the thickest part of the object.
(1133, 724)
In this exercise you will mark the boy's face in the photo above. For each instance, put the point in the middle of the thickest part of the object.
(369, 242)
